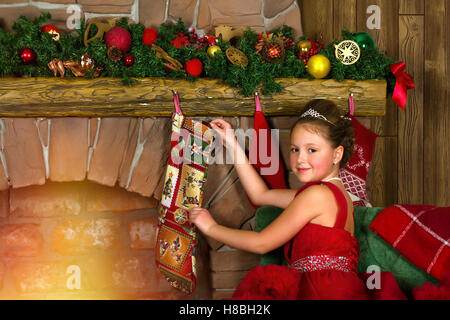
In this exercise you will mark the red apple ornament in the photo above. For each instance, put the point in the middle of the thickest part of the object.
(118, 37)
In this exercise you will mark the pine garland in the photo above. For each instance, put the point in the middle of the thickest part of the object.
(372, 64)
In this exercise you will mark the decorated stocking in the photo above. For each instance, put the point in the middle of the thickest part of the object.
(183, 189)
(354, 174)
(264, 152)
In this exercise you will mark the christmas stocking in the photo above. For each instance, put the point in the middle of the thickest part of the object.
(354, 174)
(264, 152)
(183, 189)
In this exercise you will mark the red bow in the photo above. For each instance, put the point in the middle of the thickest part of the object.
(402, 85)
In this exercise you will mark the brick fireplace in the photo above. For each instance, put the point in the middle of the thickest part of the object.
(78, 210)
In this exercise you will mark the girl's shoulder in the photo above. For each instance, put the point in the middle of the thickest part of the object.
(317, 195)
(313, 187)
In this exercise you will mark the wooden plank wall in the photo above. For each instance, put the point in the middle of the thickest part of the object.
(411, 159)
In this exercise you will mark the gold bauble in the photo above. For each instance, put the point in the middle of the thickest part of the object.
(304, 46)
(318, 66)
(212, 50)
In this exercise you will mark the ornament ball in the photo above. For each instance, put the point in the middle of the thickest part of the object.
(52, 30)
(318, 66)
(304, 46)
(194, 67)
(212, 50)
(364, 40)
(149, 36)
(128, 60)
(273, 52)
(118, 37)
(27, 55)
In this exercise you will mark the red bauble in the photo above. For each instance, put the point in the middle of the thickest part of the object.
(27, 55)
(118, 37)
(128, 60)
(194, 67)
(211, 40)
(52, 30)
(149, 36)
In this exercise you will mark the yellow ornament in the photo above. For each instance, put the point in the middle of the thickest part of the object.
(212, 50)
(304, 46)
(318, 66)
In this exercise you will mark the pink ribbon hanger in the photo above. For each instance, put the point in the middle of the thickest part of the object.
(351, 105)
(257, 103)
(176, 102)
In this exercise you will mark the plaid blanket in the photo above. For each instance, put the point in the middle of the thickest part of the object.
(421, 233)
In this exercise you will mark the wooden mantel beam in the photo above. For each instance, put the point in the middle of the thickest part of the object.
(152, 97)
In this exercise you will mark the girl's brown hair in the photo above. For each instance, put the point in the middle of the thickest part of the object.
(335, 128)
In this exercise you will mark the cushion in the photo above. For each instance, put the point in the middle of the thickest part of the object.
(373, 249)
(376, 251)
(263, 217)
(421, 233)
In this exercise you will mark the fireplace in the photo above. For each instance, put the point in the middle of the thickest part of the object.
(78, 210)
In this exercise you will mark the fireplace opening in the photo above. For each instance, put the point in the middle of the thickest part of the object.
(81, 240)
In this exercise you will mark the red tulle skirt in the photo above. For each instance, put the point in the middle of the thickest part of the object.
(275, 282)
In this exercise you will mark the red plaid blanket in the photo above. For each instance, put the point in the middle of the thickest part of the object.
(421, 233)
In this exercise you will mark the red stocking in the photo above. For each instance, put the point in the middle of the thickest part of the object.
(354, 174)
(261, 148)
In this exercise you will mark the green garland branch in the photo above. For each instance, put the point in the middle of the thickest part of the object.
(257, 75)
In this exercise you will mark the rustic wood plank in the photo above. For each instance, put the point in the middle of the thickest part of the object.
(344, 17)
(317, 19)
(386, 38)
(436, 97)
(221, 294)
(410, 120)
(50, 97)
(227, 279)
(383, 173)
(233, 260)
(382, 177)
(411, 7)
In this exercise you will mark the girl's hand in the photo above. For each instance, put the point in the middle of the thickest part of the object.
(202, 219)
(224, 130)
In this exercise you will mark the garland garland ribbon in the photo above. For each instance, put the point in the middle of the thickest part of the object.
(403, 83)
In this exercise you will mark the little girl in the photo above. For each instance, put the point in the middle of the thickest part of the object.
(316, 227)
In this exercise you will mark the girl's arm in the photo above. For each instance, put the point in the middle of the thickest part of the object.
(253, 183)
(305, 207)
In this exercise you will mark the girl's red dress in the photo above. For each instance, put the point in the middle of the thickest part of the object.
(322, 265)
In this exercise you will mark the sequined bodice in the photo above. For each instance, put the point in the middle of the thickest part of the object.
(317, 247)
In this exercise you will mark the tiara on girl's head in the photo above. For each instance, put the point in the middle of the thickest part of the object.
(314, 114)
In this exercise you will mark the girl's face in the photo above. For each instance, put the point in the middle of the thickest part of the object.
(312, 155)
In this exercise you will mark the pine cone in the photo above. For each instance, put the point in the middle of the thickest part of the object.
(114, 53)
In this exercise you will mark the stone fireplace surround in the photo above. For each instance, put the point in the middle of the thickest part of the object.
(78, 210)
